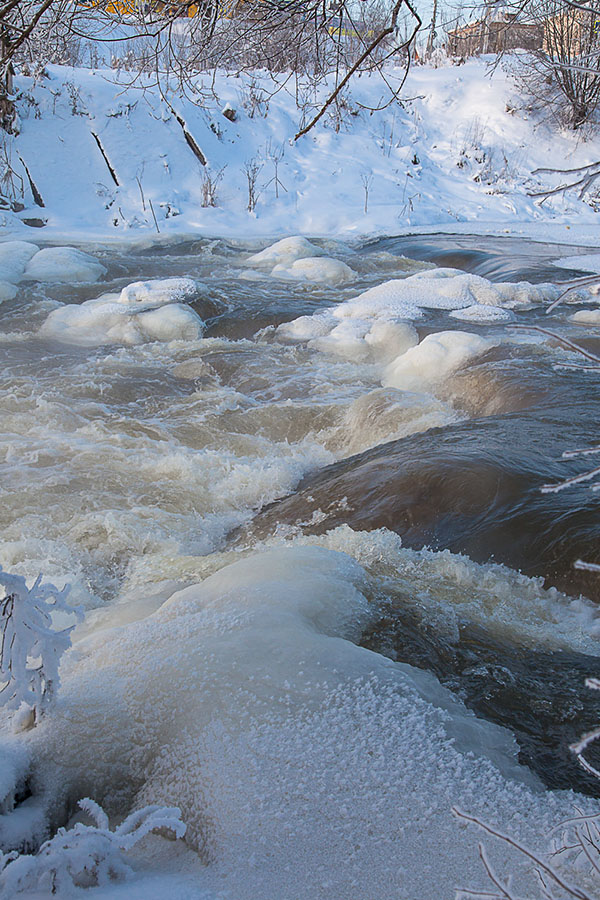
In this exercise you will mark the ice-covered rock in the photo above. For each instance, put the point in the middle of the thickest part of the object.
(285, 252)
(321, 269)
(14, 257)
(437, 356)
(159, 291)
(7, 291)
(484, 314)
(586, 317)
(142, 312)
(63, 264)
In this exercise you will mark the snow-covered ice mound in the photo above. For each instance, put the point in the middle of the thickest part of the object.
(484, 314)
(320, 269)
(373, 325)
(298, 758)
(284, 252)
(63, 264)
(143, 311)
(296, 259)
(586, 317)
(436, 357)
(14, 257)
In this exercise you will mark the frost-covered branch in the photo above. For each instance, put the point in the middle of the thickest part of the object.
(30, 648)
(85, 855)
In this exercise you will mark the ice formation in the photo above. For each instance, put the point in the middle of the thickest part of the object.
(586, 317)
(63, 264)
(298, 759)
(321, 269)
(14, 257)
(143, 311)
(436, 357)
(284, 252)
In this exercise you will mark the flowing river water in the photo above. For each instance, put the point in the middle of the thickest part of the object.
(135, 470)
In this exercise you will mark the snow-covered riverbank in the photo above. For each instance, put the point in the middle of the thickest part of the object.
(456, 155)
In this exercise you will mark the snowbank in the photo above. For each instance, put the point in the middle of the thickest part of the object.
(458, 155)
(143, 311)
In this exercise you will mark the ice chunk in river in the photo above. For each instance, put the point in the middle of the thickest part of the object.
(285, 252)
(318, 269)
(142, 312)
(63, 264)
(14, 256)
(7, 291)
(437, 356)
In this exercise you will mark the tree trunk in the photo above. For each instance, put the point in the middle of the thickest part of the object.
(8, 112)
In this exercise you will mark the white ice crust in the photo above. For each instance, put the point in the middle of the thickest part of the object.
(14, 257)
(436, 357)
(63, 264)
(374, 326)
(144, 311)
(245, 701)
(586, 317)
(323, 270)
(284, 252)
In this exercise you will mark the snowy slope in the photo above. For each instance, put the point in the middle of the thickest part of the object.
(449, 156)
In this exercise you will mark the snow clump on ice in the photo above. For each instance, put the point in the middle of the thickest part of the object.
(437, 356)
(296, 259)
(144, 311)
(63, 264)
(285, 252)
(319, 269)
(374, 326)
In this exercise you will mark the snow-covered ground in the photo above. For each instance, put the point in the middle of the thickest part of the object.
(457, 154)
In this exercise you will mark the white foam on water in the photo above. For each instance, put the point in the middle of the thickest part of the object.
(63, 264)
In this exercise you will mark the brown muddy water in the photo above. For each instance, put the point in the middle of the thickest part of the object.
(125, 468)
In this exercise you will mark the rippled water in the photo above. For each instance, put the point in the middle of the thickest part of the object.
(133, 471)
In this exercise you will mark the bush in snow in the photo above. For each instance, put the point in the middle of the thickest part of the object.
(30, 649)
(85, 855)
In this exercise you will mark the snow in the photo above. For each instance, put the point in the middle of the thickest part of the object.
(318, 269)
(143, 311)
(375, 324)
(586, 317)
(457, 156)
(436, 357)
(285, 252)
(480, 313)
(14, 257)
(7, 291)
(159, 291)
